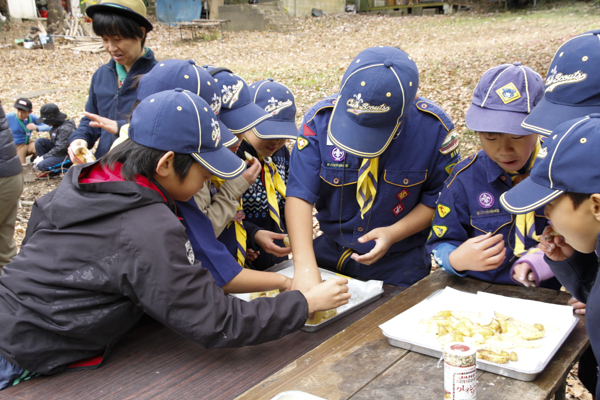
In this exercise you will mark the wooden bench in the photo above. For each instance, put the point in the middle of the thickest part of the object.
(198, 27)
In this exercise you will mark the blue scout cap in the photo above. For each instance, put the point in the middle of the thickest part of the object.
(504, 96)
(572, 84)
(277, 100)
(178, 120)
(377, 90)
(567, 162)
(172, 74)
(239, 112)
(133, 9)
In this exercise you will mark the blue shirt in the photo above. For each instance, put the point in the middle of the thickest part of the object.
(411, 171)
(469, 206)
(19, 134)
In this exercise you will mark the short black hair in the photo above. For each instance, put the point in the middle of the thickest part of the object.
(117, 25)
(577, 198)
(138, 159)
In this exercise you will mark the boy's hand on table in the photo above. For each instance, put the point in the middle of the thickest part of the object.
(578, 307)
(265, 239)
(480, 253)
(554, 247)
(330, 294)
(383, 241)
(72, 150)
(107, 124)
(252, 172)
(522, 273)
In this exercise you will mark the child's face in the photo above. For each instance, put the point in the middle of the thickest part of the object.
(22, 114)
(510, 152)
(236, 146)
(578, 226)
(264, 147)
(194, 181)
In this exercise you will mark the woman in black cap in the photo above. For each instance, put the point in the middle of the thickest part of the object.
(123, 26)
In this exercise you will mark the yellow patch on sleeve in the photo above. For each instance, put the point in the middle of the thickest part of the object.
(302, 142)
(443, 210)
(439, 230)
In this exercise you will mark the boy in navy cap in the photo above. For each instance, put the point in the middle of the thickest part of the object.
(471, 234)
(120, 251)
(566, 180)
(372, 159)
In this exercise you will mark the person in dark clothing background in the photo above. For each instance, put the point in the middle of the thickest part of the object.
(53, 151)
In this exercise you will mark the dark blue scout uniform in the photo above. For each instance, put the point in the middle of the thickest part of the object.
(469, 206)
(411, 171)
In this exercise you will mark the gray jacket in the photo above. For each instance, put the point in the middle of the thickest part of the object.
(9, 161)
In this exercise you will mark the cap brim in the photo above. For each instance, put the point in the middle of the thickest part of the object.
(244, 118)
(221, 162)
(480, 119)
(528, 196)
(20, 107)
(227, 138)
(273, 129)
(93, 9)
(362, 141)
(547, 115)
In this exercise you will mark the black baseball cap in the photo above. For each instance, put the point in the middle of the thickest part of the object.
(24, 104)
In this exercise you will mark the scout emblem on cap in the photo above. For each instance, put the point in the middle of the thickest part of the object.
(508, 93)
(275, 106)
(216, 132)
(189, 252)
(215, 104)
(486, 200)
(358, 106)
(337, 155)
(302, 143)
(556, 78)
(542, 153)
(231, 94)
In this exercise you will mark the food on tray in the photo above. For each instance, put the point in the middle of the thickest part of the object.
(492, 336)
(271, 293)
(321, 316)
(84, 154)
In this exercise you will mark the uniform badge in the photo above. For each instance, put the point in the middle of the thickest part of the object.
(275, 106)
(239, 216)
(450, 142)
(189, 252)
(357, 106)
(508, 93)
(231, 94)
(306, 131)
(216, 132)
(542, 153)
(337, 155)
(302, 142)
(443, 210)
(439, 230)
(215, 104)
(486, 200)
(398, 209)
(449, 168)
(401, 195)
(556, 78)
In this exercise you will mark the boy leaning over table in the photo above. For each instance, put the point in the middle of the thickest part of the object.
(566, 180)
(119, 251)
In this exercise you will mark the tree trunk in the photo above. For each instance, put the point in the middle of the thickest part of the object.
(55, 13)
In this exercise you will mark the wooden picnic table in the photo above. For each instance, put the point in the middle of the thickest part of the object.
(198, 25)
(359, 363)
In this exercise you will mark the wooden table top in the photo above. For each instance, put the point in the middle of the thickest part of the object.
(359, 363)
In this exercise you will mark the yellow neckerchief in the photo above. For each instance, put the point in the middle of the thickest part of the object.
(240, 232)
(366, 187)
(525, 223)
(273, 183)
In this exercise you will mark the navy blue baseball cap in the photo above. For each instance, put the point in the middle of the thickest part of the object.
(504, 96)
(277, 100)
(377, 91)
(567, 162)
(572, 85)
(239, 112)
(185, 74)
(180, 121)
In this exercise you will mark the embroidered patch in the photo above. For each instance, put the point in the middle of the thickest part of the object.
(508, 93)
(556, 79)
(450, 143)
(449, 168)
(302, 143)
(542, 153)
(443, 210)
(275, 106)
(216, 132)
(398, 209)
(189, 252)
(357, 106)
(306, 131)
(455, 153)
(239, 216)
(215, 104)
(231, 94)
(439, 230)
(486, 200)
(401, 195)
(430, 232)
(337, 155)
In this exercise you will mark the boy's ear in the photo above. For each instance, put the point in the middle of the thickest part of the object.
(165, 165)
(595, 198)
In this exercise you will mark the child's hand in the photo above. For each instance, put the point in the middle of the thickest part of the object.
(554, 247)
(286, 285)
(480, 253)
(107, 124)
(252, 255)
(72, 150)
(522, 273)
(252, 172)
(332, 293)
(265, 239)
(31, 126)
(578, 307)
(383, 241)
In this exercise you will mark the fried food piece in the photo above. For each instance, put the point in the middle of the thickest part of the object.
(321, 316)
(492, 356)
(271, 293)
(286, 241)
(513, 356)
(248, 156)
(84, 154)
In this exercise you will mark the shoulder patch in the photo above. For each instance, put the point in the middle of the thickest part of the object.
(439, 230)
(435, 110)
(306, 131)
(450, 142)
(301, 142)
(462, 165)
(443, 210)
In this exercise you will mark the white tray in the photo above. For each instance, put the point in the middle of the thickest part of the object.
(405, 331)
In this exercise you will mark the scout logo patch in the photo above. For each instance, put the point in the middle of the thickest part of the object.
(508, 93)
(357, 106)
(215, 104)
(239, 216)
(449, 168)
(443, 210)
(189, 252)
(401, 195)
(231, 94)
(486, 200)
(556, 79)
(542, 153)
(398, 209)
(216, 132)
(450, 142)
(302, 143)
(337, 155)
(439, 230)
(275, 106)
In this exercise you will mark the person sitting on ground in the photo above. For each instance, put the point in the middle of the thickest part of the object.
(53, 151)
(22, 123)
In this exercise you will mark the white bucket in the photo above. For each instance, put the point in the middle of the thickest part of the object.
(28, 44)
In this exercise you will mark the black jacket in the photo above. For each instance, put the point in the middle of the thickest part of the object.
(10, 164)
(59, 136)
(99, 255)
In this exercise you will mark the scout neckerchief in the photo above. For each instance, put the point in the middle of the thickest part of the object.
(29, 121)
(121, 73)
(525, 223)
(240, 232)
(273, 183)
(366, 187)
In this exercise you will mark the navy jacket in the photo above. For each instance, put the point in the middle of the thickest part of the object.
(107, 100)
